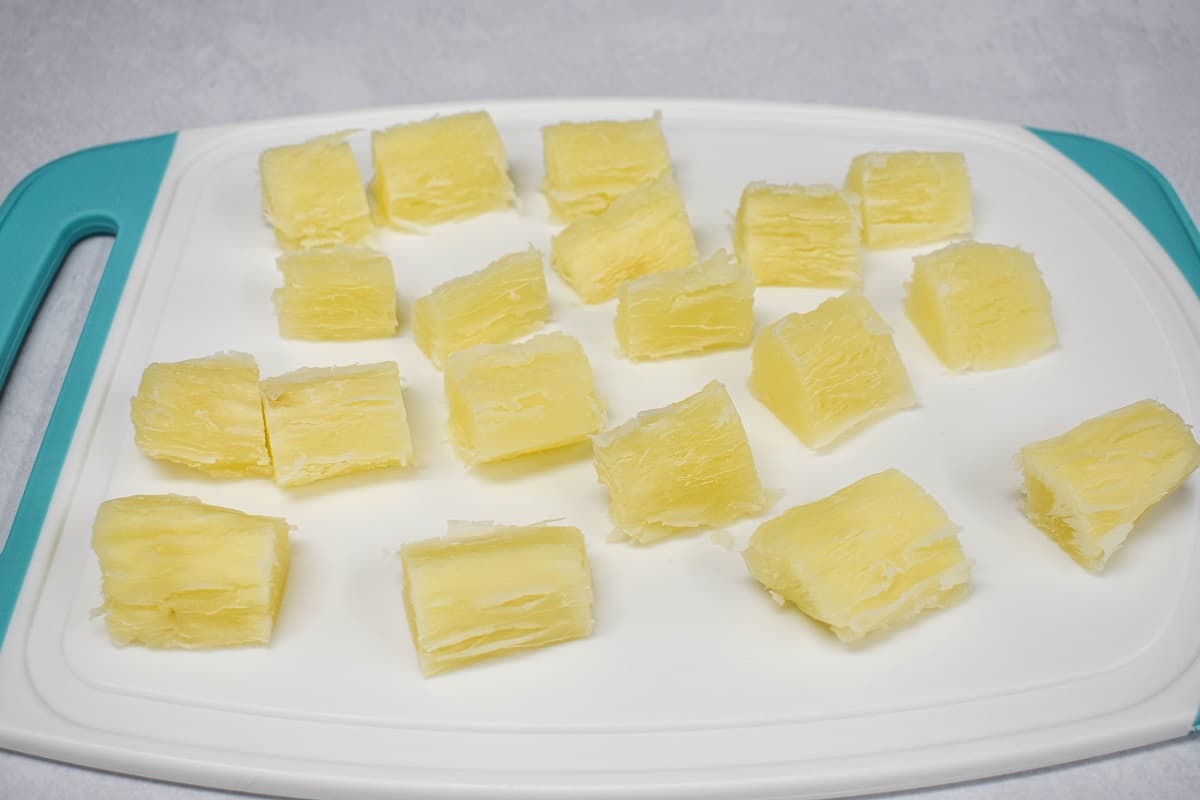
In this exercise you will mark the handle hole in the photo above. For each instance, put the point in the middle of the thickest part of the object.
(28, 397)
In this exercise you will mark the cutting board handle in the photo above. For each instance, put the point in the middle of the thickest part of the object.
(1142, 189)
(107, 190)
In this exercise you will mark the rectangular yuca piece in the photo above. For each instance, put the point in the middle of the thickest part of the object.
(204, 413)
(504, 301)
(494, 591)
(910, 198)
(509, 400)
(642, 232)
(343, 293)
(313, 194)
(1087, 488)
(707, 305)
(329, 421)
(870, 556)
(678, 469)
(981, 306)
(439, 170)
(179, 573)
(591, 164)
(799, 235)
(829, 371)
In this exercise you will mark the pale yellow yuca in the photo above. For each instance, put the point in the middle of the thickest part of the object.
(870, 556)
(504, 301)
(439, 170)
(910, 198)
(678, 469)
(334, 294)
(509, 400)
(203, 413)
(494, 590)
(179, 573)
(313, 194)
(981, 306)
(1086, 488)
(591, 164)
(829, 371)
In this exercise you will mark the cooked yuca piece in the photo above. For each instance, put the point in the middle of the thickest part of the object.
(680, 468)
(869, 556)
(313, 193)
(509, 400)
(707, 305)
(981, 306)
(642, 232)
(340, 293)
(329, 421)
(798, 235)
(910, 197)
(487, 590)
(203, 413)
(1086, 488)
(591, 164)
(439, 170)
(504, 301)
(829, 371)
(179, 573)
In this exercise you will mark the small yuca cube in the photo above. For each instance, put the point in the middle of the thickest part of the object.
(680, 468)
(203, 413)
(342, 293)
(911, 198)
(642, 232)
(830, 371)
(329, 421)
(313, 194)
(489, 590)
(1086, 488)
(440, 170)
(870, 556)
(501, 302)
(710, 304)
(509, 400)
(179, 573)
(799, 235)
(981, 306)
(591, 164)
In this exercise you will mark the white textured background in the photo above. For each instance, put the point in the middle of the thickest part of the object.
(75, 73)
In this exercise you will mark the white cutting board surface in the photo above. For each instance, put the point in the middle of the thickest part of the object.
(694, 683)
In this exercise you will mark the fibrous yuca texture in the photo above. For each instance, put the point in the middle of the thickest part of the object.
(981, 306)
(313, 194)
(829, 371)
(707, 305)
(642, 232)
(181, 574)
(342, 293)
(870, 556)
(591, 164)
(1087, 487)
(910, 198)
(329, 421)
(203, 413)
(678, 469)
(439, 170)
(496, 591)
(799, 235)
(509, 400)
(504, 301)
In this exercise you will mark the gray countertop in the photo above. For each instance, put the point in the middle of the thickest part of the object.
(75, 73)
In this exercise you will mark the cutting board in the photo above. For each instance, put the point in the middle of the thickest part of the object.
(694, 683)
